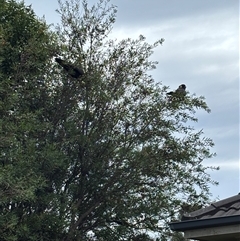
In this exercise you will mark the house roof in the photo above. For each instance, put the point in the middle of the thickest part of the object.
(224, 212)
(224, 208)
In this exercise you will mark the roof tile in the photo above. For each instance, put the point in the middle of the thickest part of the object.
(224, 208)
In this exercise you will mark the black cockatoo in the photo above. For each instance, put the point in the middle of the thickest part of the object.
(72, 70)
(180, 91)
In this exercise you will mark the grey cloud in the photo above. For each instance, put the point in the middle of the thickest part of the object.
(143, 12)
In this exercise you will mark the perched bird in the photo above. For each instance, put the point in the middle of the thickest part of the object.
(72, 70)
(180, 91)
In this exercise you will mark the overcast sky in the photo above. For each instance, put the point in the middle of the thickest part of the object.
(201, 50)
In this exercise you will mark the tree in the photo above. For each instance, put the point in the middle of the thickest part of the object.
(178, 237)
(105, 156)
(26, 47)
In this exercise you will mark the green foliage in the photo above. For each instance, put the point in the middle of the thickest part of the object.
(178, 237)
(103, 157)
(26, 47)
